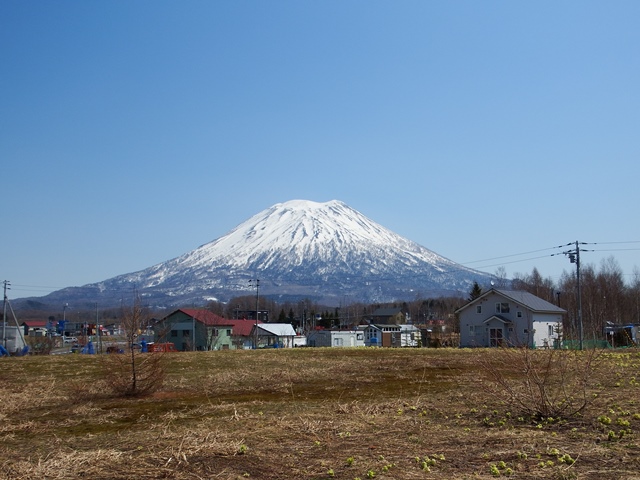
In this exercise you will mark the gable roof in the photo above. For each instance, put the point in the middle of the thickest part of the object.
(380, 326)
(243, 327)
(278, 329)
(504, 320)
(34, 323)
(526, 299)
(239, 327)
(203, 316)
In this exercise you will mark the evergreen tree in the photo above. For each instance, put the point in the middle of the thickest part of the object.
(476, 291)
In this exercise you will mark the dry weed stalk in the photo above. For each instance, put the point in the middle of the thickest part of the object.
(545, 383)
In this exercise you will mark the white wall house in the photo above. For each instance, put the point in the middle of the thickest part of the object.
(335, 338)
(510, 318)
(280, 335)
(409, 335)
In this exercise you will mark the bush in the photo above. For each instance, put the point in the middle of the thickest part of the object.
(133, 374)
(545, 383)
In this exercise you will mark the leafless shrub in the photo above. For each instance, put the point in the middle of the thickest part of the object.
(40, 345)
(545, 383)
(133, 373)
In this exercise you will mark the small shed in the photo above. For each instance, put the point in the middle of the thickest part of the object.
(336, 338)
(13, 340)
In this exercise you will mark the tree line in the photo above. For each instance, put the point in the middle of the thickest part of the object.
(606, 297)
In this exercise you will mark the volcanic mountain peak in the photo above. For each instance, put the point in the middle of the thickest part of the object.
(299, 249)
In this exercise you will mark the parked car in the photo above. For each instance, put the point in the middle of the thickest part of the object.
(69, 339)
(162, 347)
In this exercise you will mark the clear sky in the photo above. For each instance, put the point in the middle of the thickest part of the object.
(134, 132)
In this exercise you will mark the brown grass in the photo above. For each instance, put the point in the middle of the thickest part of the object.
(308, 413)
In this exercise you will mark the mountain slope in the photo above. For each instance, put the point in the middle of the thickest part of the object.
(297, 249)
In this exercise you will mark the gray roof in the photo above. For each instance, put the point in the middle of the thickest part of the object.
(526, 299)
(530, 301)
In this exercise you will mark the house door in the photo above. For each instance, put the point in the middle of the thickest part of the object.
(495, 337)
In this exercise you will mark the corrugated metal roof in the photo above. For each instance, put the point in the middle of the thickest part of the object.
(278, 329)
(530, 301)
(526, 299)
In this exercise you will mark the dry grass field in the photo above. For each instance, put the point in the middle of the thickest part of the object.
(321, 414)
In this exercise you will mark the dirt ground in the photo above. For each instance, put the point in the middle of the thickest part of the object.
(325, 413)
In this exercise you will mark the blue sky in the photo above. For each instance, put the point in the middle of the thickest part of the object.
(133, 132)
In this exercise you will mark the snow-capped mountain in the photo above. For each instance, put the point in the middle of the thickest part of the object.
(297, 249)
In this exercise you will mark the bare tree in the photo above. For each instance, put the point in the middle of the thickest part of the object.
(134, 373)
(501, 277)
(545, 383)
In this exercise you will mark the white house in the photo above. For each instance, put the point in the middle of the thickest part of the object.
(335, 338)
(409, 335)
(277, 335)
(510, 318)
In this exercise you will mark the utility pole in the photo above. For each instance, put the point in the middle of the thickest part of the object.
(257, 284)
(4, 315)
(574, 257)
(99, 338)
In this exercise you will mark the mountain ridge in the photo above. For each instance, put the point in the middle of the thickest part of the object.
(300, 248)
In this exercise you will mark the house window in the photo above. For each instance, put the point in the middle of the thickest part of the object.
(519, 314)
(186, 333)
(502, 307)
(551, 330)
(478, 308)
(174, 333)
(337, 342)
(228, 332)
(358, 336)
(472, 329)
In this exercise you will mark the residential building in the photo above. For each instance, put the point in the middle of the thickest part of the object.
(199, 329)
(510, 318)
(382, 335)
(336, 338)
(388, 316)
(274, 335)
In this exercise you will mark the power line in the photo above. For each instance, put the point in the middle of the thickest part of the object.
(618, 250)
(509, 263)
(514, 255)
(612, 243)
